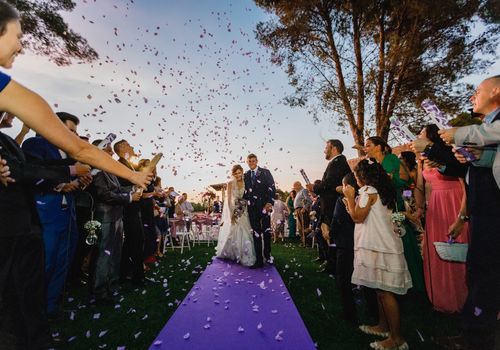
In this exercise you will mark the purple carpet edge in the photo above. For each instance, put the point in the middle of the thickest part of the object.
(232, 306)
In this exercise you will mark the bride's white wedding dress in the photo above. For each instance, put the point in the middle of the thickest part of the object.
(235, 239)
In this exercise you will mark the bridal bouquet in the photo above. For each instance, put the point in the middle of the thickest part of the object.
(238, 211)
(92, 227)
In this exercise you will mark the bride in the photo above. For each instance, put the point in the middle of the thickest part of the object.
(235, 235)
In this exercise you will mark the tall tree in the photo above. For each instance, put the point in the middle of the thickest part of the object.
(364, 61)
(46, 32)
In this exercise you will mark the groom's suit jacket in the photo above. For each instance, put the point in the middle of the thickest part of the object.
(262, 191)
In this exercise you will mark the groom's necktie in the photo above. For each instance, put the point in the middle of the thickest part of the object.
(253, 177)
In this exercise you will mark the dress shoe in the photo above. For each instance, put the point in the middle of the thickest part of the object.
(257, 266)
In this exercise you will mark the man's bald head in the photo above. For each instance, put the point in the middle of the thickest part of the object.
(486, 98)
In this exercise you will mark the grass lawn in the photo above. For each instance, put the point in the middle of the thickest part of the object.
(140, 314)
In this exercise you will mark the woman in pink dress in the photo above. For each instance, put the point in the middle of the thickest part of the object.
(445, 218)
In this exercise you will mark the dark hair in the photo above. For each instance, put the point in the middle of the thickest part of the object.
(372, 174)
(431, 132)
(143, 162)
(378, 141)
(235, 168)
(251, 155)
(116, 146)
(409, 159)
(8, 13)
(64, 116)
(337, 144)
(350, 179)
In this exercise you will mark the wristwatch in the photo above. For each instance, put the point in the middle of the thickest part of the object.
(464, 218)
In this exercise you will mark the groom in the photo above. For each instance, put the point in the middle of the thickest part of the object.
(259, 192)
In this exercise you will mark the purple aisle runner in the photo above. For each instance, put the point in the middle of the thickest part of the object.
(233, 307)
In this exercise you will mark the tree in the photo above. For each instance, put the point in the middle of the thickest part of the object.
(46, 32)
(364, 61)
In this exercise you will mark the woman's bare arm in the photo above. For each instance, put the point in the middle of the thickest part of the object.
(37, 114)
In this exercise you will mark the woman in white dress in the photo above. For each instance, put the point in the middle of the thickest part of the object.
(235, 235)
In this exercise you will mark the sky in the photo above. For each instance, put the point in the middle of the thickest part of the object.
(189, 79)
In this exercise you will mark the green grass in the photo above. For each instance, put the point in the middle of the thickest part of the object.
(147, 310)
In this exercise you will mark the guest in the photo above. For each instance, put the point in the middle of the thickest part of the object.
(302, 205)
(83, 209)
(133, 245)
(217, 205)
(22, 282)
(408, 169)
(184, 210)
(147, 203)
(379, 261)
(342, 229)
(376, 147)
(446, 215)
(292, 228)
(56, 208)
(481, 307)
(327, 190)
(109, 198)
(278, 218)
(161, 216)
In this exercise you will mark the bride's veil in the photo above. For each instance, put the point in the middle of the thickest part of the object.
(227, 212)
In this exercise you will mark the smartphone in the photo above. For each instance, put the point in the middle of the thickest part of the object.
(469, 156)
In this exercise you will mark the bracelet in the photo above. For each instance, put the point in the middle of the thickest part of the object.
(464, 218)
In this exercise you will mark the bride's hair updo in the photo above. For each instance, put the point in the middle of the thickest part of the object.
(236, 168)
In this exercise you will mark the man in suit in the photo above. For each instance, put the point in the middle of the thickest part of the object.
(260, 191)
(133, 246)
(327, 190)
(483, 203)
(302, 206)
(21, 248)
(56, 208)
(110, 198)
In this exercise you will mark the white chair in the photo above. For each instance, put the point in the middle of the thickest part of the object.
(183, 236)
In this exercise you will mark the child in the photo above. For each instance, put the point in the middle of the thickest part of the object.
(342, 229)
(379, 261)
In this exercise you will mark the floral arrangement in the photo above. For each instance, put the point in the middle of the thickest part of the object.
(92, 227)
(398, 219)
(240, 205)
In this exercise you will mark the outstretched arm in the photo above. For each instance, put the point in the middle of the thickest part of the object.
(37, 114)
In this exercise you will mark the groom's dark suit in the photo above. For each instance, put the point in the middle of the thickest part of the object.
(260, 190)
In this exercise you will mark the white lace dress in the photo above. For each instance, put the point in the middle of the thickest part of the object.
(379, 260)
(235, 240)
